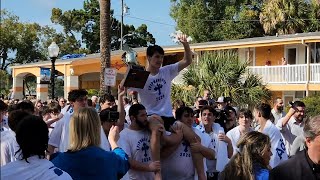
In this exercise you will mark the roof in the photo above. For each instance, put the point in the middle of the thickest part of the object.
(248, 42)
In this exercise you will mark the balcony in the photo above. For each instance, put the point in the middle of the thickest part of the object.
(287, 74)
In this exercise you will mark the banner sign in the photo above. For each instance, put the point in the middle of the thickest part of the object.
(44, 75)
(110, 75)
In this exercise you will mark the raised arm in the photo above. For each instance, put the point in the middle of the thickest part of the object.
(187, 58)
(121, 120)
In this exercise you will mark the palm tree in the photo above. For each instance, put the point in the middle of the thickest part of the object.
(104, 42)
(284, 16)
(223, 74)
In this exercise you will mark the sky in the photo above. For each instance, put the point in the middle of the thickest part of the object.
(153, 13)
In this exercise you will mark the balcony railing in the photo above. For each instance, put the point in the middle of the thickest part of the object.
(287, 74)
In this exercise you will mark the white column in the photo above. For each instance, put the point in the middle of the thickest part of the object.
(72, 83)
(17, 88)
(42, 90)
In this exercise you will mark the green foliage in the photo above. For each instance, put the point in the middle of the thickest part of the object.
(92, 92)
(87, 22)
(312, 105)
(18, 38)
(4, 82)
(185, 93)
(223, 74)
(284, 16)
(212, 20)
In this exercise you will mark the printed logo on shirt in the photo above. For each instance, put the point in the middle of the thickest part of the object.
(157, 85)
(185, 152)
(280, 150)
(143, 145)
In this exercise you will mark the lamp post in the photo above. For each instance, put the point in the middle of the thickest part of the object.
(53, 50)
(124, 11)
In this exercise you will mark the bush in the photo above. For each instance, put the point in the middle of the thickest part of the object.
(312, 105)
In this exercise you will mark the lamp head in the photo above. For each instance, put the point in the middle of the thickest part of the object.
(53, 50)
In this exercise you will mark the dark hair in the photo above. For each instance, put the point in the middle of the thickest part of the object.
(76, 94)
(298, 104)
(26, 105)
(264, 109)
(106, 97)
(89, 102)
(32, 137)
(135, 108)
(12, 107)
(181, 110)
(227, 100)
(3, 106)
(54, 107)
(229, 108)
(153, 49)
(15, 117)
(211, 109)
(44, 110)
(246, 113)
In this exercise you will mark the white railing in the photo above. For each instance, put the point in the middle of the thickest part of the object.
(287, 74)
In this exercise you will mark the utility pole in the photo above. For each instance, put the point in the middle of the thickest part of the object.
(121, 43)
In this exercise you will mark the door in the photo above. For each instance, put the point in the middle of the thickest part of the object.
(292, 55)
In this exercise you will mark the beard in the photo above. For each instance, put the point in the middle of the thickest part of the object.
(280, 108)
(141, 125)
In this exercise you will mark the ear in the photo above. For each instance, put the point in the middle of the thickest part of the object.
(132, 118)
(308, 141)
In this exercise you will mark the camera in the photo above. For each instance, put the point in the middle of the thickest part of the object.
(221, 117)
(109, 116)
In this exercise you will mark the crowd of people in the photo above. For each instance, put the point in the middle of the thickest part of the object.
(105, 138)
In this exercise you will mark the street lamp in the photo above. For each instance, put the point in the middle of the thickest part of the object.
(53, 50)
(124, 11)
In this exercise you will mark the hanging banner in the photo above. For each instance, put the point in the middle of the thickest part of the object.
(110, 75)
(44, 75)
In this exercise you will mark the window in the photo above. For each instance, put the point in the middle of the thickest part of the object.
(315, 52)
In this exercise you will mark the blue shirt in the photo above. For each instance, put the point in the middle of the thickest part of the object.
(93, 163)
(260, 173)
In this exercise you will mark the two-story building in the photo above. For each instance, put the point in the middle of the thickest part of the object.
(299, 77)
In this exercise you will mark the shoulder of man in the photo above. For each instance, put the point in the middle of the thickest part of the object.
(288, 169)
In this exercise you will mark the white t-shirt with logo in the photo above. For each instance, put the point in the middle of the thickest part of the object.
(155, 95)
(179, 165)
(278, 149)
(136, 144)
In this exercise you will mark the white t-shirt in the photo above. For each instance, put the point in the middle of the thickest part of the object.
(9, 147)
(220, 147)
(155, 95)
(278, 148)
(59, 136)
(4, 124)
(179, 165)
(234, 136)
(136, 144)
(35, 168)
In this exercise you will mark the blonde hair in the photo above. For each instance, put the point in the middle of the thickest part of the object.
(251, 146)
(84, 129)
